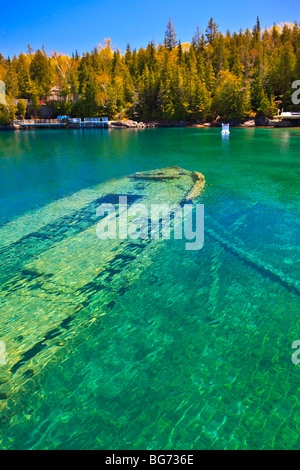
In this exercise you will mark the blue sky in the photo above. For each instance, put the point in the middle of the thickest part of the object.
(67, 25)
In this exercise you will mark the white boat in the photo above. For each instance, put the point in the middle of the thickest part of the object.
(225, 129)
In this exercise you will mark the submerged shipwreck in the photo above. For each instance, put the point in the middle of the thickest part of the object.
(58, 279)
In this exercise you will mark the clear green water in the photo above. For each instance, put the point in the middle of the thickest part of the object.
(171, 349)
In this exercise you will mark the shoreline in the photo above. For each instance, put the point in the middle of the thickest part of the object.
(129, 124)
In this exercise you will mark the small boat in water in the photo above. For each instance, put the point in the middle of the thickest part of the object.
(225, 129)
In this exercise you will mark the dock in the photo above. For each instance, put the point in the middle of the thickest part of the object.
(34, 123)
(62, 122)
(286, 119)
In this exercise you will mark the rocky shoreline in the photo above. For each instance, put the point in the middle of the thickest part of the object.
(261, 121)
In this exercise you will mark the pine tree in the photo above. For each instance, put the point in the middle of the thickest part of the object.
(170, 36)
(40, 73)
(211, 31)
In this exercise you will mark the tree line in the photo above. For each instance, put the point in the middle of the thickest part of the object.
(249, 73)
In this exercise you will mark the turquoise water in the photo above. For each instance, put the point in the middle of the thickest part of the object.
(157, 347)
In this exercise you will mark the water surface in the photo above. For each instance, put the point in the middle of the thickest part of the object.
(194, 350)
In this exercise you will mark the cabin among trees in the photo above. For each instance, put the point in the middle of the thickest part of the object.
(247, 73)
